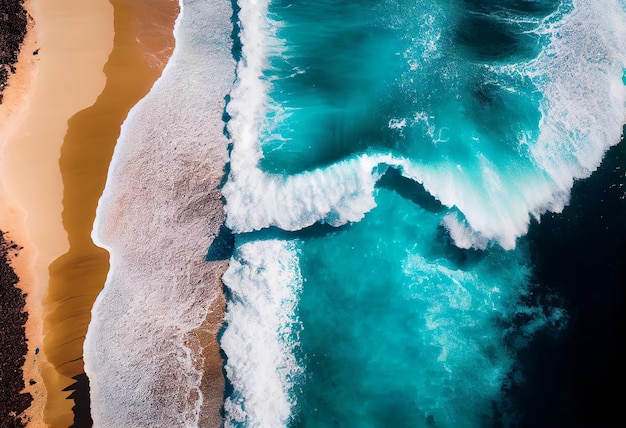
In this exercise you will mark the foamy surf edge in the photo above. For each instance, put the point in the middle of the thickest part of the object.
(345, 191)
(157, 217)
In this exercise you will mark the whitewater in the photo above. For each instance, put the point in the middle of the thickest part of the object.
(380, 167)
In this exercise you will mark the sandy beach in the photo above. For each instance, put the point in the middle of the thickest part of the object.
(63, 82)
(58, 126)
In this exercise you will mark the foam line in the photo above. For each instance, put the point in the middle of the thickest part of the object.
(580, 75)
(341, 193)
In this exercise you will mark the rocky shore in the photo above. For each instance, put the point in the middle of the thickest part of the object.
(13, 23)
(12, 340)
(13, 348)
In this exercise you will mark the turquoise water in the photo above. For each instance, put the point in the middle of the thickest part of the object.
(401, 76)
(400, 326)
(388, 158)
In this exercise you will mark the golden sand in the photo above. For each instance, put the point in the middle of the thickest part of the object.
(37, 105)
(213, 380)
(78, 276)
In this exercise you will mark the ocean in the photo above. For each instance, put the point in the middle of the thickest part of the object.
(428, 208)
(387, 161)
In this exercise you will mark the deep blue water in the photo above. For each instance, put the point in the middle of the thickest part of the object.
(580, 256)
(397, 176)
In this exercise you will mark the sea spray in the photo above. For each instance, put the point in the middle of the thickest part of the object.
(145, 349)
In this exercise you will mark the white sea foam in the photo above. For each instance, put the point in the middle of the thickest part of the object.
(583, 111)
(336, 195)
(580, 75)
(157, 218)
(462, 234)
(264, 281)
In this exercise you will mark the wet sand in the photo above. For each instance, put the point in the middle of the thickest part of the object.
(151, 351)
(142, 44)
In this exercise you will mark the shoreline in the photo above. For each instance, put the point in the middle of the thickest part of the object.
(151, 351)
(142, 43)
(58, 129)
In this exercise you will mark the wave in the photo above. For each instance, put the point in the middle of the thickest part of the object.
(584, 97)
(261, 333)
(582, 113)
